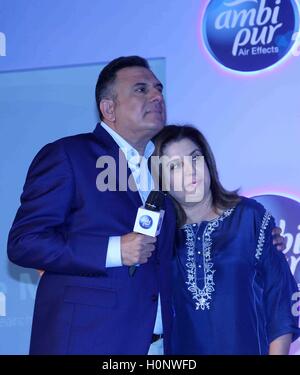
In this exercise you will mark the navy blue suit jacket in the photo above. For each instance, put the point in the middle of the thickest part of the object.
(63, 227)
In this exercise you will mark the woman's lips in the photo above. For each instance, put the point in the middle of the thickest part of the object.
(192, 185)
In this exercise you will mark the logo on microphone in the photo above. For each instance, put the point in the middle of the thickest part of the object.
(146, 221)
(250, 35)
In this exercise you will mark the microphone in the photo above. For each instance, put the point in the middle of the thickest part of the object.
(149, 218)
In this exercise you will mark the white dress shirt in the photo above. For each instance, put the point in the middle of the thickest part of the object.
(144, 182)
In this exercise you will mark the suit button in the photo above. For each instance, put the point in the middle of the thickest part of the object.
(154, 297)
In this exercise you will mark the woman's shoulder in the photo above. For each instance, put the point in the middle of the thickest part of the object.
(251, 205)
(252, 208)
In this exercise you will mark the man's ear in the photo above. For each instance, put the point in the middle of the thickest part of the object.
(107, 108)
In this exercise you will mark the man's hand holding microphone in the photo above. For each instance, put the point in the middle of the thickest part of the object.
(138, 246)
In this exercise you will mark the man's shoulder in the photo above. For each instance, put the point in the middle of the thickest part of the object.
(84, 141)
(65, 145)
(71, 143)
(81, 138)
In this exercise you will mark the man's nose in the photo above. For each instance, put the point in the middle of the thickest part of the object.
(156, 95)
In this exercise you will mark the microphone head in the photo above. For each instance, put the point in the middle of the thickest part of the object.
(155, 201)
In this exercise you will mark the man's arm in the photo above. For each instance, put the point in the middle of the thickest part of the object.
(39, 237)
(127, 250)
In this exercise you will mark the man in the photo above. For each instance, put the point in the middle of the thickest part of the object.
(87, 302)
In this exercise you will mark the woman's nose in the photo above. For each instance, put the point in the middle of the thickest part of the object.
(189, 170)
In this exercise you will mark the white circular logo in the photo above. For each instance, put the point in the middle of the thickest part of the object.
(146, 221)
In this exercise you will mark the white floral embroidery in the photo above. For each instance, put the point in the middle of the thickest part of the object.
(202, 296)
(262, 234)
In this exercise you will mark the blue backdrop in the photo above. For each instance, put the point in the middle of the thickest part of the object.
(252, 122)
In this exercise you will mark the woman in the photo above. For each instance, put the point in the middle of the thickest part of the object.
(232, 288)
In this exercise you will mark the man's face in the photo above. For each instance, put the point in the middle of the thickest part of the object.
(139, 106)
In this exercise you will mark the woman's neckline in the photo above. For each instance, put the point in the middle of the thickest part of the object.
(205, 221)
(214, 219)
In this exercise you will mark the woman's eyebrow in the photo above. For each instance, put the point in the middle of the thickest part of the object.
(172, 160)
(196, 149)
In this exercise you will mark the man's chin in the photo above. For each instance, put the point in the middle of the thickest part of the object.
(156, 117)
(155, 127)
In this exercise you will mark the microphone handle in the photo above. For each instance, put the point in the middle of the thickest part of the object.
(132, 270)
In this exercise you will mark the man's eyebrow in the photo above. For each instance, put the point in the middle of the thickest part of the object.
(159, 84)
(140, 84)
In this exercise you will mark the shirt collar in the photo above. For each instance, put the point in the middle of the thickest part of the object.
(130, 152)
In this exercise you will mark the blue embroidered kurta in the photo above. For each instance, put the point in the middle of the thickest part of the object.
(232, 288)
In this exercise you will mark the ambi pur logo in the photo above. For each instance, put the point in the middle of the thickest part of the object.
(146, 222)
(250, 35)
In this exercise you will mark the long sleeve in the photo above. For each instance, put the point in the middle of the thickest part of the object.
(113, 257)
(40, 237)
(279, 287)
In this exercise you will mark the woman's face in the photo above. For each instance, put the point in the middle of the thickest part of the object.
(184, 171)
